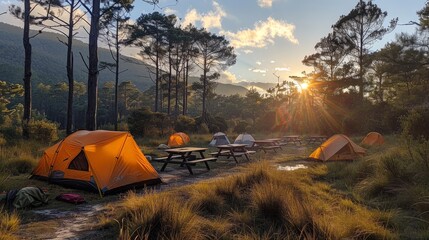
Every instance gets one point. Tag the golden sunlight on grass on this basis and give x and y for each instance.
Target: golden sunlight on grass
(9, 225)
(258, 203)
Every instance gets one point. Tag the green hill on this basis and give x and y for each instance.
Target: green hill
(49, 62)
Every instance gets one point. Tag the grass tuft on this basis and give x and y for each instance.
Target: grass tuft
(9, 225)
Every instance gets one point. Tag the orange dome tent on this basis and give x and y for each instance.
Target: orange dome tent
(96, 160)
(373, 139)
(178, 139)
(337, 147)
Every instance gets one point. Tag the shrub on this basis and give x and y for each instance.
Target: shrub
(18, 166)
(184, 124)
(241, 127)
(415, 123)
(43, 130)
(144, 122)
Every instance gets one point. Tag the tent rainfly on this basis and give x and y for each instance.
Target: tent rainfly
(337, 147)
(219, 138)
(178, 139)
(245, 138)
(373, 139)
(104, 161)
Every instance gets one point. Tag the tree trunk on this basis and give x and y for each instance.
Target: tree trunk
(91, 112)
(185, 89)
(27, 69)
(156, 80)
(204, 110)
(116, 73)
(69, 124)
(176, 105)
(169, 82)
(361, 82)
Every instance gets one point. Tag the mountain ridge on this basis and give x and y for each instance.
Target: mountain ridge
(49, 62)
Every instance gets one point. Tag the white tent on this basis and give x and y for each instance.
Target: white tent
(245, 138)
(219, 138)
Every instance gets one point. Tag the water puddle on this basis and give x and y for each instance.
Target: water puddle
(291, 168)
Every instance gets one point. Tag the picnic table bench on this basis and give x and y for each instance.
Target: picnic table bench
(292, 139)
(316, 139)
(183, 156)
(265, 145)
(233, 150)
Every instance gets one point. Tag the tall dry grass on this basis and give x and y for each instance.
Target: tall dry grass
(259, 203)
(9, 225)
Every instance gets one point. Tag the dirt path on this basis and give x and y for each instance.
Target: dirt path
(76, 223)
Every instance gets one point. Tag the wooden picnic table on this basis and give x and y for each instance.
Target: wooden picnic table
(292, 139)
(265, 145)
(233, 150)
(316, 139)
(183, 156)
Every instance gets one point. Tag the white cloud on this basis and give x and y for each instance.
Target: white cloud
(212, 19)
(262, 34)
(259, 63)
(247, 51)
(265, 3)
(258, 89)
(228, 77)
(282, 69)
(170, 11)
(257, 70)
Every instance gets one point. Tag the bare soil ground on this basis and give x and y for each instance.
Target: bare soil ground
(67, 221)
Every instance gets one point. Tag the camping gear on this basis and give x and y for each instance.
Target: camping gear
(245, 138)
(373, 139)
(337, 147)
(70, 198)
(25, 197)
(103, 161)
(219, 138)
(178, 139)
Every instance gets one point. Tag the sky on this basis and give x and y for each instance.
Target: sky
(270, 37)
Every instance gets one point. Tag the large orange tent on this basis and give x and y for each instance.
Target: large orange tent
(337, 147)
(178, 139)
(96, 160)
(373, 139)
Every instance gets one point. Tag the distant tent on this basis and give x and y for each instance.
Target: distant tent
(100, 160)
(219, 138)
(178, 139)
(245, 138)
(373, 139)
(337, 147)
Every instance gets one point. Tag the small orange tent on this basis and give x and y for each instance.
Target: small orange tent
(178, 139)
(337, 147)
(96, 160)
(372, 139)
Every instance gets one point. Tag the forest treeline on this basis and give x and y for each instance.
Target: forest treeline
(350, 90)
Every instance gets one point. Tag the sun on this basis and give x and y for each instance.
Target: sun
(304, 86)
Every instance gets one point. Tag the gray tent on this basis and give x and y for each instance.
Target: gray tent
(245, 138)
(219, 138)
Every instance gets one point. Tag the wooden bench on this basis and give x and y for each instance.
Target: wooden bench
(189, 163)
(274, 147)
(163, 159)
